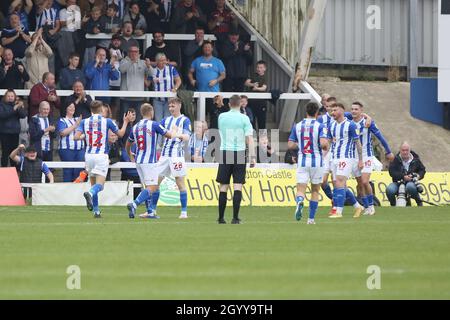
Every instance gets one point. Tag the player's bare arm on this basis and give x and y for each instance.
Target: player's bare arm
(126, 120)
(359, 150)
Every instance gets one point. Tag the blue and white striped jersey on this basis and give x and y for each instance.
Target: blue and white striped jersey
(145, 134)
(307, 134)
(166, 78)
(344, 135)
(175, 147)
(328, 120)
(198, 144)
(67, 142)
(96, 130)
(45, 139)
(366, 138)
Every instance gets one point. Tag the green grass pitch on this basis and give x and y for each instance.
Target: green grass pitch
(270, 256)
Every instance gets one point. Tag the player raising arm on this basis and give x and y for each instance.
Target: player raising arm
(94, 131)
(145, 135)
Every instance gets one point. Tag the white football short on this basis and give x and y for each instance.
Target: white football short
(97, 164)
(148, 173)
(343, 167)
(368, 163)
(327, 163)
(309, 174)
(175, 166)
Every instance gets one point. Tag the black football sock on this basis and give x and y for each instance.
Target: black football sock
(222, 204)
(237, 198)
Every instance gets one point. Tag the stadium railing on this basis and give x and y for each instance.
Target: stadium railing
(201, 96)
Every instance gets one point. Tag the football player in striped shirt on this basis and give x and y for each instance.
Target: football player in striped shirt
(346, 150)
(172, 160)
(95, 132)
(311, 137)
(363, 176)
(145, 135)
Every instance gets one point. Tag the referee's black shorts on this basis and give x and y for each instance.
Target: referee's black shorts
(231, 164)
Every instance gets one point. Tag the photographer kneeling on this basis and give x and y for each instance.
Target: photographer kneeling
(406, 169)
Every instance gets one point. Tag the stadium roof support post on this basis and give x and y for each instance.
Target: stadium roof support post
(307, 43)
(413, 65)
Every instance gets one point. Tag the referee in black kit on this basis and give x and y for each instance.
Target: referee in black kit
(236, 132)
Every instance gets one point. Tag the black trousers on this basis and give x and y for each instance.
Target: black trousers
(259, 109)
(8, 142)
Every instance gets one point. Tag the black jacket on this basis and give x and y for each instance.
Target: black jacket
(397, 171)
(9, 118)
(13, 78)
(83, 108)
(236, 62)
(36, 134)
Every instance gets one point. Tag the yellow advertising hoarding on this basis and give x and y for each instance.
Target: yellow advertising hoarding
(277, 187)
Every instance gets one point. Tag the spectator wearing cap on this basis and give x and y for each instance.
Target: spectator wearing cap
(159, 45)
(71, 73)
(43, 91)
(29, 166)
(12, 73)
(187, 17)
(38, 54)
(237, 56)
(136, 18)
(15, 37)
(42, 132)
(11, 111)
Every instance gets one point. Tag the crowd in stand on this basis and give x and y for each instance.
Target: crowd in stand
(47, 45)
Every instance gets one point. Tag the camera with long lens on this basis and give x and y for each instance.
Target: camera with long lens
(416, 181)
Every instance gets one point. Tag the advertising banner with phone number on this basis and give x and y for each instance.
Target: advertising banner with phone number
(277, 187)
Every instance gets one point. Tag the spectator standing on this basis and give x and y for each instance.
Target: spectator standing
(258, 83)
(221, 20)
(127, 39)
(29, 166)
(71, 73)
(43, 91)
(187, 17)
(42, 132)
(168, 7)
(160, 46)
(11, 111)
(137, 19)
(121, 7)
(12, 73)
(69, 149)
(47, 18)
(154, 13)
(92, 25)
(111, 24)
(218, 108)
(70, 20)
(23, 9)
(114, 85)
(133, 71)
(193, 49)
(80, 100)
(165, 78)
(237, 56)
(209, 71)
(99, 72)
(38, 54)
(15, 37)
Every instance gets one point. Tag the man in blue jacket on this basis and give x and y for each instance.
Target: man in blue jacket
(99, 72)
